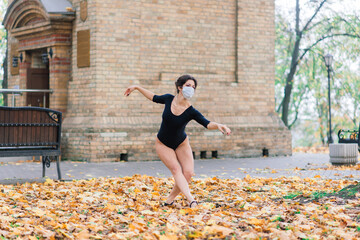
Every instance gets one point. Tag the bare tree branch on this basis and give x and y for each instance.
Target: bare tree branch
(325, 37)
(351, 26)
(316, 24)
(313, 16)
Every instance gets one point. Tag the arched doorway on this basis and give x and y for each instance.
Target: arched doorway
(40, 37)
(38, 78)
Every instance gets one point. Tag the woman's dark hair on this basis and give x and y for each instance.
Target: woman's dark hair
(182, 80)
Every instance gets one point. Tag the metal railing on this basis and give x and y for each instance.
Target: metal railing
(21, 91)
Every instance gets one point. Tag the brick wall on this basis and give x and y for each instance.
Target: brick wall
(152, 43)
(13, 80)
(82, 86)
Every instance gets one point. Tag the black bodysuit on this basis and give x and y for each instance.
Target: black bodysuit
(172, 130)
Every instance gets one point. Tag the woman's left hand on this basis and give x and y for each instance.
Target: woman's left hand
(224, 129)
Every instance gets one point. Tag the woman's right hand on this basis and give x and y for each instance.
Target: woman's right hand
(129, 90)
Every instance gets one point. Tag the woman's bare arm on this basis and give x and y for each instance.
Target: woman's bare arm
(221, 127)
(148, 94)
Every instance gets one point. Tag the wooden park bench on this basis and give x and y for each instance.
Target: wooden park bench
(31, 131)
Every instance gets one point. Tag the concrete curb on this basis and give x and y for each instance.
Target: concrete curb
(300, 165)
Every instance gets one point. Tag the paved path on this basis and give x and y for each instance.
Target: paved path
(13, 170)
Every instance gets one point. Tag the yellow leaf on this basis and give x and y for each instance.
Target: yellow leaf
(195, 234)
(95, 228)
(217, 229)
(281, 235)
(38, 212)
(149, 236)
(147, 212)
(305, 227)
(168, 237)
(157, 234)
(49, 181)
(296, 178)
(64, 233)
(122, 219)
(136, 226)
(257, 222)
(182, 212)
(332, 223)
(249, 206)
(131, 202)
(110, 207)
(83, 235)
(172, 228)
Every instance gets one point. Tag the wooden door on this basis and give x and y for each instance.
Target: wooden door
(37, 78)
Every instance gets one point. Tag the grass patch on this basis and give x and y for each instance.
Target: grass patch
(348, 192)
(292, 195)
(318, 195)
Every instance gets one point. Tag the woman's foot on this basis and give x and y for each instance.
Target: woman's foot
(193, 204)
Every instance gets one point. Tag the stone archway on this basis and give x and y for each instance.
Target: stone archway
(40, 25)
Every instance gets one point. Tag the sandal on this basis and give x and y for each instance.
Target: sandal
(193, 202)
(168, 204)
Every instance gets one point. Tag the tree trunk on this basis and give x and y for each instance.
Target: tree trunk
(293, 66)
(295, 59)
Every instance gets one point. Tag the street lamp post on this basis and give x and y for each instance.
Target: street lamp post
(328, 58)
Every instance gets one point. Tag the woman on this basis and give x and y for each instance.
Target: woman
(172, 145)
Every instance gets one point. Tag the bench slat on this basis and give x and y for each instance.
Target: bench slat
(31, 131)
(29, 152)
(29, 126)
(2, 130)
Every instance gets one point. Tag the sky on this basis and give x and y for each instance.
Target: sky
(346, 6)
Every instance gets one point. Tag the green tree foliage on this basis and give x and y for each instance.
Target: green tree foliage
(305, 34)
(3, 42)
(305, 76)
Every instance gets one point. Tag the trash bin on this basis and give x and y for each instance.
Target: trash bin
(343, 153)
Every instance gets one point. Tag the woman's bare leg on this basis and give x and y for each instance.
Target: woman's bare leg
(186, 160)
(169, 158)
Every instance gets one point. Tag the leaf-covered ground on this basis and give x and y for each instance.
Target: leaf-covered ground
(130, 208)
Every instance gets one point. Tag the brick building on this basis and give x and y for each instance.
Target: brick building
(88, 52)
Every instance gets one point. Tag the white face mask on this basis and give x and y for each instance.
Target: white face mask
(188, 92)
